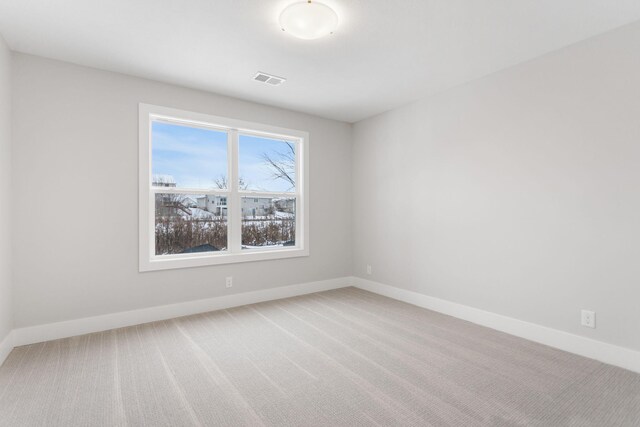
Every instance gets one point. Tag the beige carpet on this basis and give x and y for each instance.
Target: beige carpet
(339, 358)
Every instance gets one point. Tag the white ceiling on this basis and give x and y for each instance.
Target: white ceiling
(384, 53)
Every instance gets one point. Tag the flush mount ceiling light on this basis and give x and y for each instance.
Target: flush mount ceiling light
(308, 20)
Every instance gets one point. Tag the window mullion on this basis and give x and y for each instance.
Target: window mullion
(250, 194)
(235, 214)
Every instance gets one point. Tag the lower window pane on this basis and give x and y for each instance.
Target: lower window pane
(190, 223)
(268, 222)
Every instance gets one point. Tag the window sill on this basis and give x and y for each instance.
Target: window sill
(186, 261)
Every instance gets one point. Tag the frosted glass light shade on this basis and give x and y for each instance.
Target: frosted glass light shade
(308, 20)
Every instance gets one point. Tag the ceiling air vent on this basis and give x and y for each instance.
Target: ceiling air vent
(269, 79)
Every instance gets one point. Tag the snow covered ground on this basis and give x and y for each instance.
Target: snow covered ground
(197, 213)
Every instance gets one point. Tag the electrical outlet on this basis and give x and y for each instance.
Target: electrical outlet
(589, 318)
(369, 269)
(229, 282)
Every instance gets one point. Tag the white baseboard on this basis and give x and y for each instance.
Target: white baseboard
(604, 352)
(598, 350)
(6, 346)
(69, 328)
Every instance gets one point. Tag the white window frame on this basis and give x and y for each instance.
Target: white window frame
(149, 261)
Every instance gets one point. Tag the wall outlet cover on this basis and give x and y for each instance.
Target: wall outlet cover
(588, 318)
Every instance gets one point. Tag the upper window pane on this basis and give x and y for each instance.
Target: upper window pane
(188, 157)
(267, 164)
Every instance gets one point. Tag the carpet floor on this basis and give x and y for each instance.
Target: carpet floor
(345, 357)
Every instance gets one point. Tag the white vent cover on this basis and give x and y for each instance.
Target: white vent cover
(269, 79)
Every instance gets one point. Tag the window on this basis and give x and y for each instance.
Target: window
(216, 190)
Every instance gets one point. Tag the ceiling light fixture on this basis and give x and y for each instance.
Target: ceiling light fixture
(308, 20)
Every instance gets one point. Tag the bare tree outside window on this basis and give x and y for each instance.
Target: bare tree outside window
(222, 183)
(271, 221)
(283, 164)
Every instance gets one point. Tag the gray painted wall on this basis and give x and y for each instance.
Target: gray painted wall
(6, 303)
(517, 193)
(76, 196)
